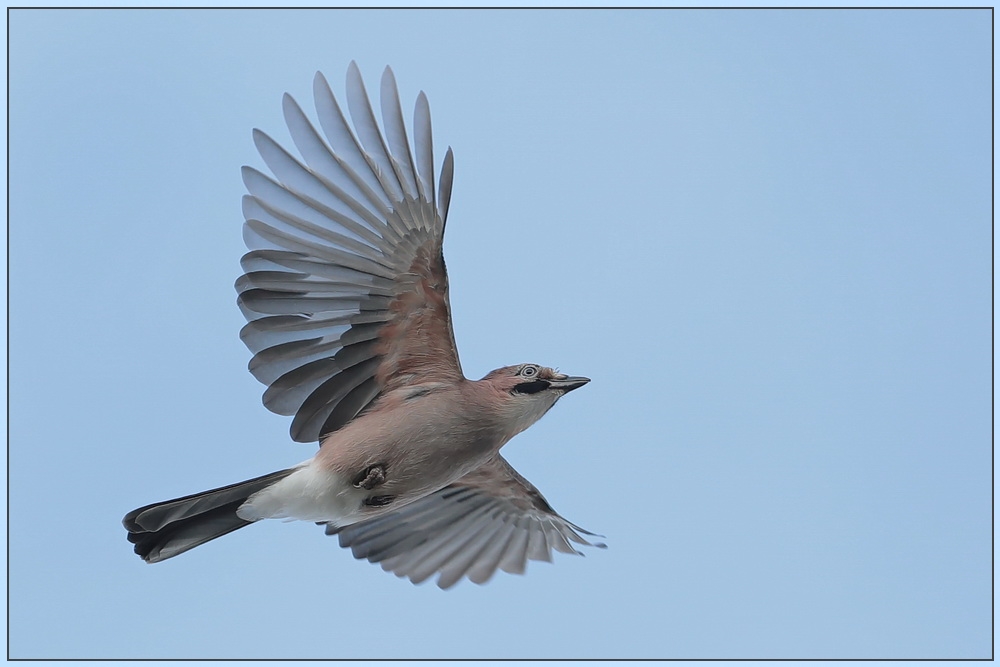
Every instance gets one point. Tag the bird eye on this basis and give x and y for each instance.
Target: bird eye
(529, 371)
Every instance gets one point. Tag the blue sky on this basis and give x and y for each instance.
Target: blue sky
(766, 236)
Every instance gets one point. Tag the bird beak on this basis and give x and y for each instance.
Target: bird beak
(568, 383)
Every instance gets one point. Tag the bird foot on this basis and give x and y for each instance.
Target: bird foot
(371, 477)
(378, 501)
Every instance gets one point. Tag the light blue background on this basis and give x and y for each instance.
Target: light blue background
(766, 236)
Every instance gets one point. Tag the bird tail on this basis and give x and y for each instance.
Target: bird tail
(163, 530)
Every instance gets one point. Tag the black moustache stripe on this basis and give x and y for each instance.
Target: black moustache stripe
(532, 387)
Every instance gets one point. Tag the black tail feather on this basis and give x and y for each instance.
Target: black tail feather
(163, 530)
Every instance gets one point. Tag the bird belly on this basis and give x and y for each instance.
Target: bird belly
(373, 466)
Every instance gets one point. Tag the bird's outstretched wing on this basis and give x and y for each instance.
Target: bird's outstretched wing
(490, 518)
(344, 288)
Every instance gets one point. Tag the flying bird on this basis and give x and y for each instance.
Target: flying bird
(346, 299)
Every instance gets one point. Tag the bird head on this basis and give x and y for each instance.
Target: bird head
(527, 391)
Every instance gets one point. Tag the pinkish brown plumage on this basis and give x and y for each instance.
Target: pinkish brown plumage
(417, 344)
(346, 298)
